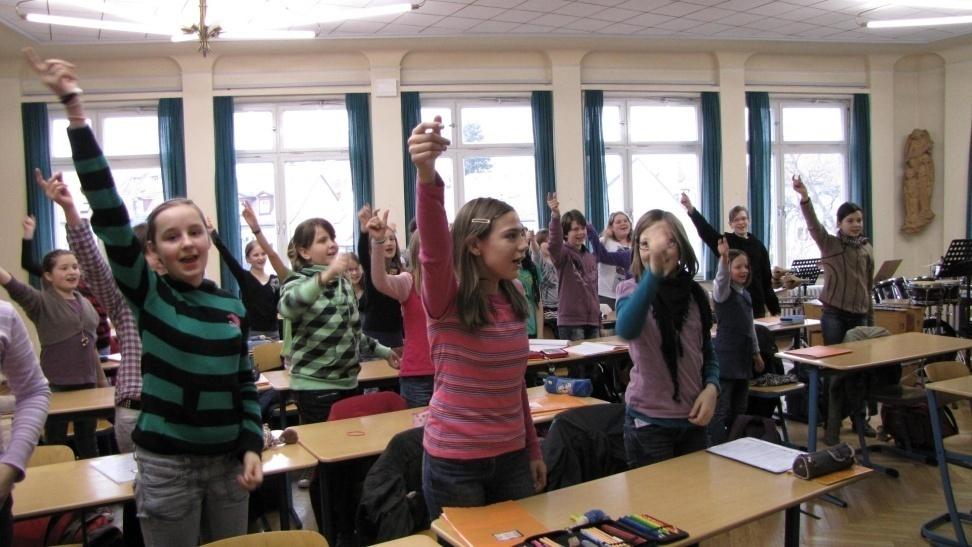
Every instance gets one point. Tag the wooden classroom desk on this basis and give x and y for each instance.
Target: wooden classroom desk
(866, 354)
(375, 370)
(338, 441)
(83, 401)
(701, 493)
(961, 387)
(66, 486)
(78, 484)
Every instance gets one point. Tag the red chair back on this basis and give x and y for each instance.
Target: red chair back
(366, 405)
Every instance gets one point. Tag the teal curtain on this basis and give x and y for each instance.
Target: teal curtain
(541, 103)
(411, 117)
(711, 180)
(595, 178)
(760, 159)
(359, 142)
(227, 197)
(172, 154)
(860, 158)
(37, 154)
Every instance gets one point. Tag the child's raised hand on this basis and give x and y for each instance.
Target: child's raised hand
(425, 145)
(377, 225)
(661, 243)
(686, 202)
(799, 186)
(724, 250)
(553, 203)
(56, 74)
(340, 264)
(54, 188)
(364, 215)
(29, 225)
(210, 227)
(249, 215)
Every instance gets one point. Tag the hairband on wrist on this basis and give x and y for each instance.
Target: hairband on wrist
(68, 97)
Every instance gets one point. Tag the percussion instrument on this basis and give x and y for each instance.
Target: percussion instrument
(932, 292)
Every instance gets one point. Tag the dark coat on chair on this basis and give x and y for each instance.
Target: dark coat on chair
(584, 444)
(392, 504)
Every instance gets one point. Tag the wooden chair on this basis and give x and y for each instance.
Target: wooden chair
(945, 370)
(50, 453)
(267, 356)
(288, 538)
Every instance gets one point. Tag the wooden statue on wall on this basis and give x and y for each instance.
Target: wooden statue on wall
(919, 182)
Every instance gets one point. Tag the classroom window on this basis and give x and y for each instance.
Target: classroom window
(292, 164)
(491, 153)
(129, 137)
(809, 138)
(653, 153)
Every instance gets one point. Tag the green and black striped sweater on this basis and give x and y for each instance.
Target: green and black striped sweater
(198, 395)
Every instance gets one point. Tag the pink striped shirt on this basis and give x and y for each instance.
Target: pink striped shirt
(479, 408)
(416, 360)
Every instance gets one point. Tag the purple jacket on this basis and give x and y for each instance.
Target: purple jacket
(577, 274)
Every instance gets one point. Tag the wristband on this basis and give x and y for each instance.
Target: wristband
(257, 231)
(805, 200)
(68, 97)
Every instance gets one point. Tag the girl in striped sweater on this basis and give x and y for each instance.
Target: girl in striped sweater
(198, 438)
(480, 444)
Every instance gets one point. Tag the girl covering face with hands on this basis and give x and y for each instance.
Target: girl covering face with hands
(665, 314)
(480, 444)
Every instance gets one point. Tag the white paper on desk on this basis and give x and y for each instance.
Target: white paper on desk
(540, 344)
(758, 453)
(120, 470)
(590, 348)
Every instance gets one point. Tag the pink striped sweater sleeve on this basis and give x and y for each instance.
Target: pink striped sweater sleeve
(396, 286)
(439, 287)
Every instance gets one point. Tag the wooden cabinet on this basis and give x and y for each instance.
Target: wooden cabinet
(896, 320)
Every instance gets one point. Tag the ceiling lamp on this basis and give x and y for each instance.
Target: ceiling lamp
(926, 21)
(205, 31)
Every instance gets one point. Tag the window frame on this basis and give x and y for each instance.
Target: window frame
(627, 150)
(97, 114)
(459, 151)
(779, 149)
(279, 156)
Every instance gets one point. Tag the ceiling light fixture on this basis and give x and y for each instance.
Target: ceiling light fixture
(933, 4)
(921, 22)
(206, 32)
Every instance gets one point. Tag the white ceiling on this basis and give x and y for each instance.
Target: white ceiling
(788, 20)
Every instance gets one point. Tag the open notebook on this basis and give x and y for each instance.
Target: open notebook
(758, 453)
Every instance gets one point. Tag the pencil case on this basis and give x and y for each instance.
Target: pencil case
(823, 462)
(633, 530)
(581, 387)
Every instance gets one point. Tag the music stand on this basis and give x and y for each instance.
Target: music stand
(957, 262)
(807, 269)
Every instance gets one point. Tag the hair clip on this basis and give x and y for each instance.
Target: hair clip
(480, 221)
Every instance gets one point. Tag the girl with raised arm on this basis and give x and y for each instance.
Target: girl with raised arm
(480, 444)
(198, 438)
(415, 375)
(761, 273)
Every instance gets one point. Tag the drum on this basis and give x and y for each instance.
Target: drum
(926, 292)
(890, 289)
(950, 290)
